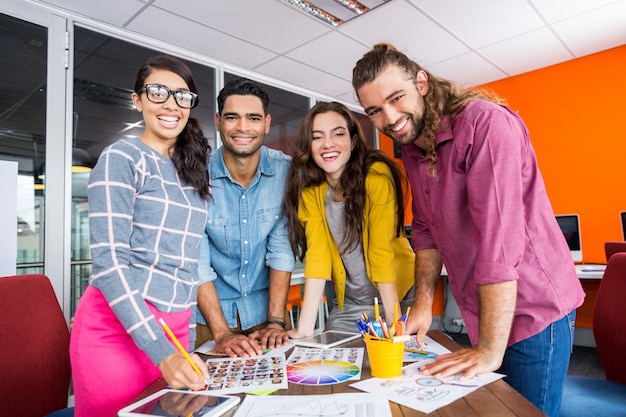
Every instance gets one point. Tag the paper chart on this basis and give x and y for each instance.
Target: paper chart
(311, 366)
(352, 404)
(227, 375)
(432, 348)
(423, 392)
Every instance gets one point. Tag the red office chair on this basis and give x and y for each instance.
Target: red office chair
(584, 396)
(609, 323)
(614, 246)
(34, 348)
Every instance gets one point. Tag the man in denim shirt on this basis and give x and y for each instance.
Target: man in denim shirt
(245, 265)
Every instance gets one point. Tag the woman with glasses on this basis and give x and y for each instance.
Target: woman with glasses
(147, 213)
(345, 207)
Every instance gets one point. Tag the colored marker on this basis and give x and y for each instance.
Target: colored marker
(406, 315)
(421, 352)
(376, 311)
(395, 312)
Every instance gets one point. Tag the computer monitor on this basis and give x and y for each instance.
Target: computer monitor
(622, 218)
(570, 226)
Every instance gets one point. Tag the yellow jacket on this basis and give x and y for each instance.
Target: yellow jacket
(387, 258)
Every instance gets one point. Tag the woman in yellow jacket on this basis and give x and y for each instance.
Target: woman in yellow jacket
(345, 208)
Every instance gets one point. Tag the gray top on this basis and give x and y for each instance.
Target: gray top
(359, 288)
(145, 228)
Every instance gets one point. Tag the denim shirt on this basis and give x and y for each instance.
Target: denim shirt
(246, 235)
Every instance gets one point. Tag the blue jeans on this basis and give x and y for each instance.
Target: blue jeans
(536, 367)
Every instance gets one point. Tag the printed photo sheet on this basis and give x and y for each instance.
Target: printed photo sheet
(228, 375)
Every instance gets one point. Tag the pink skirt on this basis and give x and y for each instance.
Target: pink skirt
(108, 369)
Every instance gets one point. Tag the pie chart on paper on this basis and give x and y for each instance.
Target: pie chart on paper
(321, 372)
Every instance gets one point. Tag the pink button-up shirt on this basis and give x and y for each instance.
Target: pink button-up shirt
(488, 214)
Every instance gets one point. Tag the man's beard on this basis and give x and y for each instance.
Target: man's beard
(416, 127)
(242, 152)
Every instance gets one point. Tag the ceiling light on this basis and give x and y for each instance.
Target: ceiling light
(81, 161)
(337, 12)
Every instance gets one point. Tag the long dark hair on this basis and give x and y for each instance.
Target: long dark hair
(191, 149)
(443, 97)
(304, 172)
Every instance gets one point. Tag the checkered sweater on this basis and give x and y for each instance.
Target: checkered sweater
(145, 228)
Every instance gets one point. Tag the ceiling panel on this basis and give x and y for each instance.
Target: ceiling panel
(523, 53)
(468, 69)
(200, 38)
(401, 24)
(274, 25)
(304, 76)
(471, 42)
(600, 29)
(116, 12)
(556, 10)
(333, 53)
(482, 22)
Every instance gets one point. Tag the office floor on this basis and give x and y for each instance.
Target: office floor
(584, 361)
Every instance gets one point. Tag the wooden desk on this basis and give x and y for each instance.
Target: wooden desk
(496, 399)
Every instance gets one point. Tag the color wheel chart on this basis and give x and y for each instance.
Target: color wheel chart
(309, 366)
(321, 372)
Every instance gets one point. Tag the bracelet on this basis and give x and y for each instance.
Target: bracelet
(280, 323)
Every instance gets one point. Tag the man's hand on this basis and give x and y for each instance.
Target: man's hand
(418, 324)
(271, 337)
(238, 345)
(469, 362)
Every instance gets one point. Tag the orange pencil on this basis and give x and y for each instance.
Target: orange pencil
(179, 346)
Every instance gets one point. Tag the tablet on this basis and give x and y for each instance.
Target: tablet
(170, 402)
(327, 339)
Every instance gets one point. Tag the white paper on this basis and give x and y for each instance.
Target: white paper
(352, 404)
(430, 346)
(421, 392)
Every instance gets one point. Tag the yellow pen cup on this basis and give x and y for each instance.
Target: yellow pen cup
(385, 357)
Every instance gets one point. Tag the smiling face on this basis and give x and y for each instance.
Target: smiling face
(394, 103)
(243, 125)
(163, 121)
(331, 144)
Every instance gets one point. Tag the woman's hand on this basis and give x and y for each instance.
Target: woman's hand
(297, 334)
(179, 374)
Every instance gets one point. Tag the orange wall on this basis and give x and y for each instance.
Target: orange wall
(576, 115)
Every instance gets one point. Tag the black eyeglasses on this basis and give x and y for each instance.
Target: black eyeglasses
(158, 93)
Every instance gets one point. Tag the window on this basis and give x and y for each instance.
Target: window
(23, 130)
(104, 75)
(287, 110)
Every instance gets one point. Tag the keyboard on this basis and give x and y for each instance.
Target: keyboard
(590, 267)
